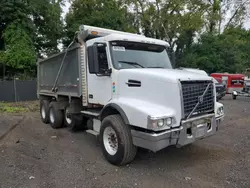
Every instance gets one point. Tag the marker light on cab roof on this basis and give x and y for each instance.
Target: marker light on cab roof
(94, 32)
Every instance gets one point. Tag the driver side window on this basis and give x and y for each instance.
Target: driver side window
(102, 58)
(97, 60)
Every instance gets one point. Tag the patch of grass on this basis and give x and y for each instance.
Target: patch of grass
(18, 107)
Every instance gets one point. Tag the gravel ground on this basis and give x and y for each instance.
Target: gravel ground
(35, 155)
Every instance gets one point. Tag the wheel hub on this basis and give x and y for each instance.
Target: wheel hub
(67, 117)
(110, 140)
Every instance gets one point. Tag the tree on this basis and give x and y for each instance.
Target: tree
(28, 29)
(228, 52)
(15, 26)
(221, 14)
(109, 14)
(48, 25)
(176, 22)
(20, 51)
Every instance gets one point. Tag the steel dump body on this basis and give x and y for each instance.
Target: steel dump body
(69, 77)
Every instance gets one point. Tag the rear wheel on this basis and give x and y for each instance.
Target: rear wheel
(55, 116)
(116, 141)
(44, 111)
(71, 121)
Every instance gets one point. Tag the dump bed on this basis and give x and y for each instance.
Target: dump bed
(69, 78)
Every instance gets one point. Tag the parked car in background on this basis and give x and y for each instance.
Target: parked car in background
(245, 92)
(220, 89)
(233, 82)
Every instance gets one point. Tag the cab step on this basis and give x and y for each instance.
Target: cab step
(93, 113)
(92, 132)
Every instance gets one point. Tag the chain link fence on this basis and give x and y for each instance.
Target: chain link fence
(18, 90)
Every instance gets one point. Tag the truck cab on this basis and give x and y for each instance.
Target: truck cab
(130, 95)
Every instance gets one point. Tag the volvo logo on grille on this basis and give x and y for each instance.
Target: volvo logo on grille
(200, 99)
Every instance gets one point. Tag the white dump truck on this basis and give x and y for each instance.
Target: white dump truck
(122, 88)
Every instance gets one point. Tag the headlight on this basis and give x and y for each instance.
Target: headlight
(169, 121)
(220, 111)
(160, 122)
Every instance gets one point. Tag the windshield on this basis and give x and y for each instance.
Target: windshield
(130, 55)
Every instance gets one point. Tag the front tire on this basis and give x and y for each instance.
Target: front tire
(55, 116)
(116, 141)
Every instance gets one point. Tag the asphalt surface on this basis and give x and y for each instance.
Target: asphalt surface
(32, 155)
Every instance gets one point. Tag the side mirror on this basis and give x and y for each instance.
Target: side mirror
(94, 61)
(171, 55)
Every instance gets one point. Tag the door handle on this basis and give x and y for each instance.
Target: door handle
(133, 83)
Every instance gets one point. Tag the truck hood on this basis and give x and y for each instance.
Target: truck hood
(154, 91)
(170, 75)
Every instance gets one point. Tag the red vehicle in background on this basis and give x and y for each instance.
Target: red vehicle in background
(233, 82)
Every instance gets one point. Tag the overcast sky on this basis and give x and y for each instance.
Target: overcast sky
(247, 24)
(65, 8)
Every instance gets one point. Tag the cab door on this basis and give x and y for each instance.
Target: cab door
(99, 74)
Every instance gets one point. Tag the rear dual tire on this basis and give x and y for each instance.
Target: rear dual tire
(56, 116)
(116, 141)
(51, 114)
(71, 121)
(44, 111)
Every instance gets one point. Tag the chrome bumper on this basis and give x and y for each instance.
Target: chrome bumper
(219, 119)
(181, 136)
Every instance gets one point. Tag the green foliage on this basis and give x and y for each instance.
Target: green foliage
(28, 30)
(10, 108)
(228, 52)
(179, 23)
(19, 107)
(20, 51)
(48, 25)
(107, 14)
(176, 22)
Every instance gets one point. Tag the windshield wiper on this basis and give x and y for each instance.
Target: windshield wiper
(131, 63)
(157, 67)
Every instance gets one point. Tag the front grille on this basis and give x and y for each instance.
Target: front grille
(191, 92)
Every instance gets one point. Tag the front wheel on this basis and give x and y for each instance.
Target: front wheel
(116, 141)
